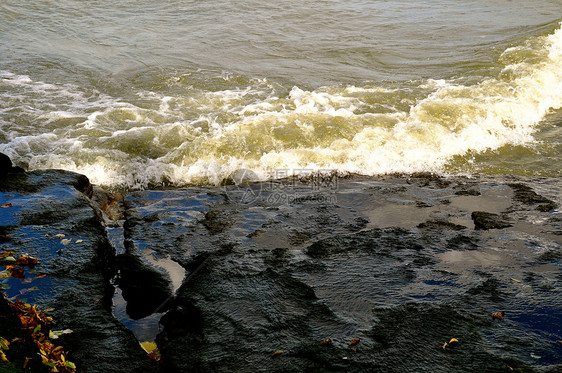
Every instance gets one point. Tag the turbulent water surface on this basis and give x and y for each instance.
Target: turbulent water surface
(137, 94)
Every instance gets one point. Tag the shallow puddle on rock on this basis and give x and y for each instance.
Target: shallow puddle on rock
(175, 271)
(494, 199)
(393, 215)
(144, 329)
(462, 259)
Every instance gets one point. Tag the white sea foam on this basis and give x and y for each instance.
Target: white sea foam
(203, 135)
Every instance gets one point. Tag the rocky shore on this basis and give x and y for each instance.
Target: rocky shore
(400, 273)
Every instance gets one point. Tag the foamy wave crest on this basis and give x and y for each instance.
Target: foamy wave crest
(193, 132)
(368, 131)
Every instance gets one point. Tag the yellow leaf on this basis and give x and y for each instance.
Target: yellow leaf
(453, 340)
(4, 343)
(277, 353)
(3, 356)
(70, 365)
(148, 346)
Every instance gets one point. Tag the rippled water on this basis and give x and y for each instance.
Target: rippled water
(137, 94)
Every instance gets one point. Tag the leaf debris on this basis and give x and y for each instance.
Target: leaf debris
(277, 353)
(498, 315)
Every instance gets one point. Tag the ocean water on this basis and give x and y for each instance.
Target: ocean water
(143, 94)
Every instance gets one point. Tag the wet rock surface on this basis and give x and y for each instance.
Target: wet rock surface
(388, 274)
(51, 218)
(275, 269)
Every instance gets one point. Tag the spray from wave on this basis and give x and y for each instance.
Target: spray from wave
(192, 134)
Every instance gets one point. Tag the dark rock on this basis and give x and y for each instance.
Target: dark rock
(83, 185)
(468, 192)
(462, 242)
(550, 256)
(490, 287)
(488, 220)
(547, 207)
(184, 320)
(215, 221)
(266, 277)
(440, 224)
(78, 268)
(528, 196)
(419, 331)
(5, 164)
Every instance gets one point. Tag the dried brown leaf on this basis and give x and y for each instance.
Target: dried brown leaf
(498, 315)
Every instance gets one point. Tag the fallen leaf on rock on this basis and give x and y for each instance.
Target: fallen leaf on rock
(17, 272)
(78, 241)
(5, 205)
(10, 259)
(3, 356)
(4, 254)
(327, 341)
(535, 356)
(70, 365)
(148, 346)
(25, 362)
(498, 315)
(27, 290)
(354, 348)
(354, 342)
(66, 241)
(54, 334)
(277, 353)
(32, 319)
(453, 340)
(26, 260)
(5, 274)
(59, 236)
(4, 344)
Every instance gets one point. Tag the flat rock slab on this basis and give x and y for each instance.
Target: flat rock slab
(356, 274)
(49, 216)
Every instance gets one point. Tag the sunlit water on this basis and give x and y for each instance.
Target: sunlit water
(138, 94)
